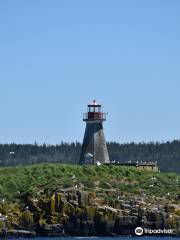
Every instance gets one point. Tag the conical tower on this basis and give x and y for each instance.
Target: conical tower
(94, 147)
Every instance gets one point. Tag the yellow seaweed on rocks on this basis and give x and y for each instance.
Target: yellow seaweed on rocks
(68, 208)
(52, 203)
(90, 211)
(1, 225)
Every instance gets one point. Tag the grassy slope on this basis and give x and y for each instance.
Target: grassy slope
(43, 179)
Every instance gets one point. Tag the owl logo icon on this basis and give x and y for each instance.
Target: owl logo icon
(139, 231)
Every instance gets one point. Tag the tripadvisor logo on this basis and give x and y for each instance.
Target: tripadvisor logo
(139, 231)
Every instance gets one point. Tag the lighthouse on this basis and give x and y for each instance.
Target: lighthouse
(94, 149)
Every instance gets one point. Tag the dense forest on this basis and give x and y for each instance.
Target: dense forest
(167, 154)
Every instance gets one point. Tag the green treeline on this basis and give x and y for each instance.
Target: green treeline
(166, 154)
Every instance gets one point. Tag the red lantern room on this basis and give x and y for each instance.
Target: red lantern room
(94, 112)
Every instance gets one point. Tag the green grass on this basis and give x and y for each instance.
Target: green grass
(16, 183)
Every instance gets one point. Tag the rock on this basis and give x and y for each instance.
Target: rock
(109, 213)
(54, 230)
(83, 198)
(90, 212)
(67, 208)
(26, 220)
(32, 205)
(16, 233)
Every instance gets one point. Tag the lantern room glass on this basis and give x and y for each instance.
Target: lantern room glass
(94, 109)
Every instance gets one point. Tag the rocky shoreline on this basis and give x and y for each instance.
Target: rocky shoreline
(77, 212)
(65, 200)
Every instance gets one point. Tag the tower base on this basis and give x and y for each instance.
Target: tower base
(94, 148)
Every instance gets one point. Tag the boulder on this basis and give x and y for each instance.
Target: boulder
(26, 220)
(83, 198)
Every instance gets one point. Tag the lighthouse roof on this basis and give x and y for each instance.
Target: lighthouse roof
(94, 103)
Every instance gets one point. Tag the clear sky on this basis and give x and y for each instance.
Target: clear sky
(58, 55)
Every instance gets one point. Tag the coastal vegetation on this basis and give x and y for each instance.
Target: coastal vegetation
(16, 183)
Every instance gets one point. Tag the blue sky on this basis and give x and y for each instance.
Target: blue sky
(56, 56)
